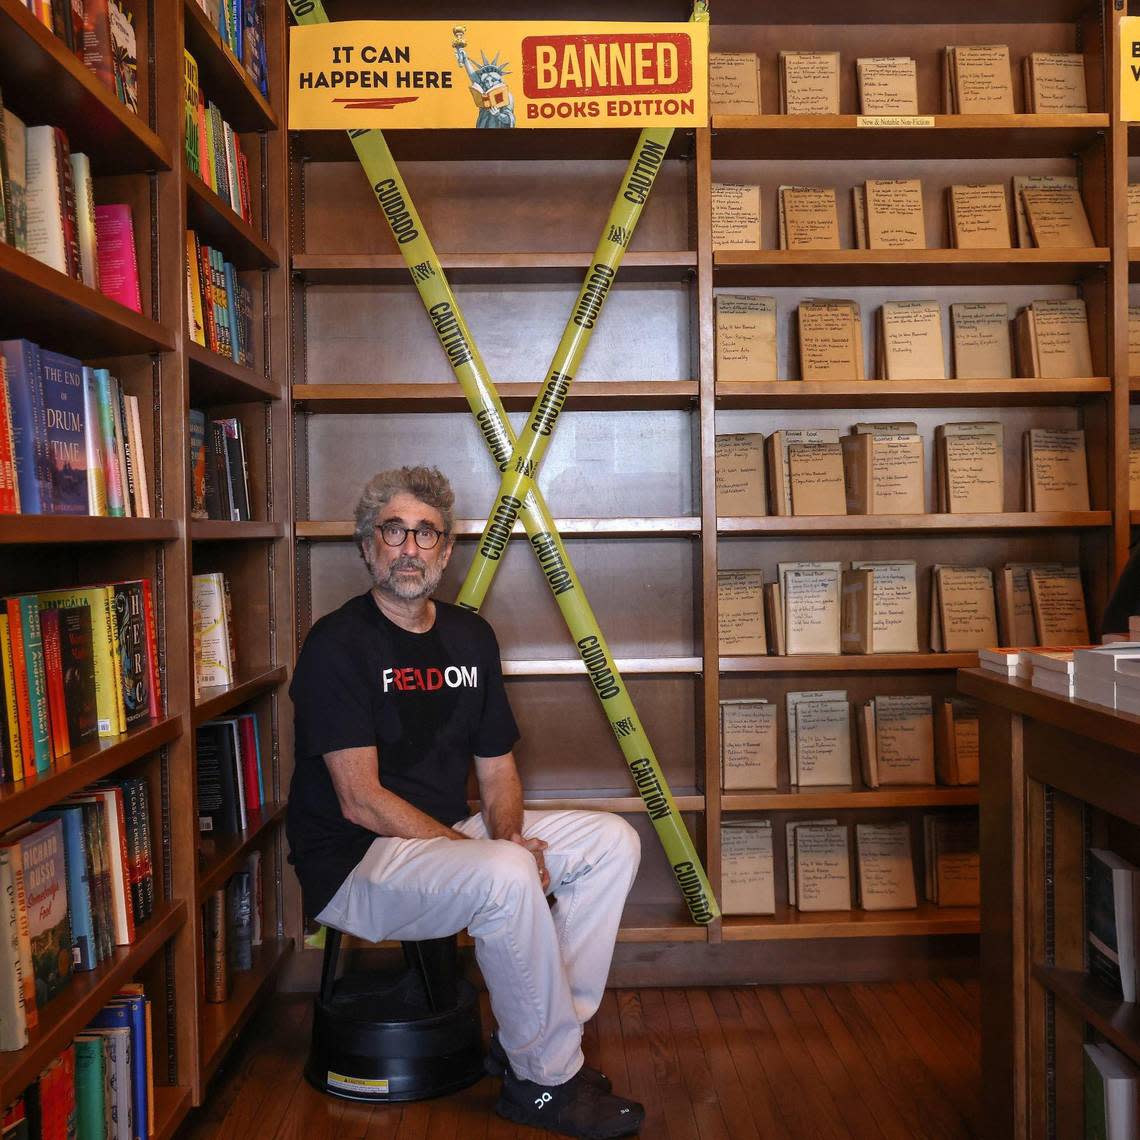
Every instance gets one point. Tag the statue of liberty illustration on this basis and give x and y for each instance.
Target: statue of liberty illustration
(489, 89)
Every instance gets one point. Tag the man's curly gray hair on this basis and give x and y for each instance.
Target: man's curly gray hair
(428, 484)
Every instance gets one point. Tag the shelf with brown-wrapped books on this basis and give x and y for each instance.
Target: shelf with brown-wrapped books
(839, 798)
(837, 12)
(82, 766)
(487, 268)
(50, 529)
(923, 136)
(220, 856)
(1018, 392)
(216, 223)
(86, 993)
(850, 663)
(223, 79)
(1116, 1020)
(221, 1022)
(906, 524)
(41, 303)
(217, 700)
(790, 924)
(649, 527)
(563, 667)
(614, 799)
(659, 922)
(46, 82)
(215, 379)
(447, 396)
(223, 530)
(780, 267)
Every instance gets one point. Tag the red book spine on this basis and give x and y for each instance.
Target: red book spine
(152, 651)
(206, 166)
(243, 185)
(20, 676)
(212, 340)
(70, 218)
(9, 504)
(53, 667)
(117, 798)
(249, 764)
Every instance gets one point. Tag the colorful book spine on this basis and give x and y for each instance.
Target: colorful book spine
(105, 390)
(85, 218)
(66, 426)
(13, 1021)
(96, 448)
(118, 262)
(29, 425)
(49, 923)
(78, 883)
(46, 237)
(98, 54)
(23, 613)
(155, 679)
(190, 111)
(57, 701)
(231, 310)
(68, 215)
(9, 484)
(11, 708)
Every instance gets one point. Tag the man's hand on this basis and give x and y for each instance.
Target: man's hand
(536, 847)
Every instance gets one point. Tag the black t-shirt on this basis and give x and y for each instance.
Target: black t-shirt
(428, 702)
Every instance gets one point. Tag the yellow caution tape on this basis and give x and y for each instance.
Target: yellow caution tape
(467, 365)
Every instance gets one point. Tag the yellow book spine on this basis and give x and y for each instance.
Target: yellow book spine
(14, 746)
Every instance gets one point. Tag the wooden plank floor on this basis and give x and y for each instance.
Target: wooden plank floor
(886, 1060)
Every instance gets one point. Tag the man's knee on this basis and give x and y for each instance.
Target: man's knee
(620, 838)
(507, 868)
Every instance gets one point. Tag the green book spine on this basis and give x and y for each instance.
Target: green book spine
(37, 680)
(90, 1088)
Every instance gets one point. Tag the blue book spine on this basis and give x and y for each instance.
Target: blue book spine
(66, 425)
(37, 680)
(78, 885)
(120, 1014)
(232, 310)
(29, 432)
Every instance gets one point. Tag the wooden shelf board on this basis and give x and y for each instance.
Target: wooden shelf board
(221, 1022)
(171, 1105)
(659, 922)
(219, 700)
(895, 12)
(951, 136)
(45, 82)
(585, 395)
(626, 665)
(906, 524)
(220, 857)
(487, 268)
(906, 266)
(570, 144)
(86, 994)
(218, 225)
(26, 530)
(58, 312)
(789, 924)
(216, 380)
(1116, 1020)
(222, 78)
(908, 393)
(218, 530)
(850, 663)
(687, 525)
(618, 800)
(835, 799)
(20, 800)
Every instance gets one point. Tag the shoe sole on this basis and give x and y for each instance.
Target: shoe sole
(521, 1115)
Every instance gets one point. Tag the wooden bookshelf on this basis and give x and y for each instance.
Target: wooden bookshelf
(216, 223)
(567, 528)
(221, 856)
(789, 924)
(837, 799)
(894, 524)
(216, 380)
(215, 701)
(21, 530)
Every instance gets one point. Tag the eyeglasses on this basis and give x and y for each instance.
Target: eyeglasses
(394, 534)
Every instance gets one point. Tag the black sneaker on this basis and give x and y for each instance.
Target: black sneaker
(576, 1108)
(496, 1064)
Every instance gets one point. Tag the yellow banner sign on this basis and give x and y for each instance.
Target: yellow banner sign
(1130, 69)
(396, 75)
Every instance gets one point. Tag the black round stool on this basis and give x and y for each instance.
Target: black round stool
(411, 1036)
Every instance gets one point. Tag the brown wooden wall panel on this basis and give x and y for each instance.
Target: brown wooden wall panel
(641, 592)
(598, 465)
(487, 207)
(371, 334)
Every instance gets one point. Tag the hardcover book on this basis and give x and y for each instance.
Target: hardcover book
(45, 885)
(118, 263)
(66, 424)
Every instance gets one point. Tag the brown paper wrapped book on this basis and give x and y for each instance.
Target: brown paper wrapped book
(740, 484)
(734, 83)
(745, 337)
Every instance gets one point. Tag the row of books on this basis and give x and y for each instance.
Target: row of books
(1052, 339)
(221, 306)
(241, 26)
(1107, 674)
(880, 468)
(219, 478)
(101, 1086)
(213, 148)
(48, 210)
(102, 34)
(215, 649)
(977, 79)
(71, 439)
(899, 741)
(232, 922)
(230, 782)
(1049, 213)
(818, 859)
(76, 881)
(822, 607)
(76, 664)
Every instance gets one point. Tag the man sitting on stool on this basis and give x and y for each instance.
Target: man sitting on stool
(394, 695)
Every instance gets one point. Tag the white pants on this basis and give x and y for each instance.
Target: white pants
(545, 967)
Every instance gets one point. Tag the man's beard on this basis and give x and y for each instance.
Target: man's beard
(405, 588)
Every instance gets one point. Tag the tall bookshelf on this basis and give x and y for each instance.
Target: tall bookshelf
(514, 216)
(139, 159)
